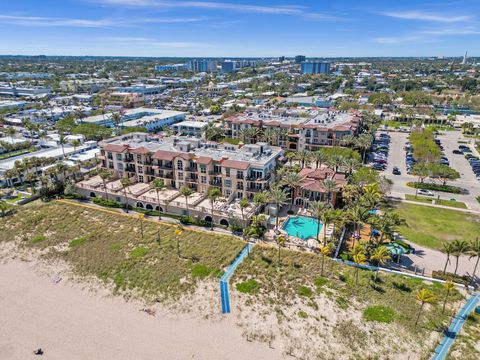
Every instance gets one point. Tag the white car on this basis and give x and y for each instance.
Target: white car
(425, 192)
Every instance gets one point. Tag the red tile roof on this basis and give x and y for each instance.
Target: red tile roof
(164, 155)
(140, 151)
(116, 147)
(239, 165)
(204, 160)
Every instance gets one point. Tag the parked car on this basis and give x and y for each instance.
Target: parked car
(425, 192)
(396, 171)
(457, 152)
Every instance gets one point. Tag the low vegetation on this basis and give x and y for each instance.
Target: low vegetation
(429, 200)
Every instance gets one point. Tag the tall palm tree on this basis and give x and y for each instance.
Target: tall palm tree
(213, 194)
(350, 165)
(125, 182)
(449, 286)
(380, 256)
(320, 157)
(104, 175)
(281, 241)
(330, 186)
(243, 204)
(359, 258)
(460, 247)
(62, 140)
(425, 296)
(358, 215)
(117, 119)
(388, 224)
(278, 197)
(448, 249)
(11, 132)
(317, 209)
(290, 155)
(75, 143)
(292, 180)
(304, 157)
(325, 251)
(474, 252)
(335, 161)
(62, 168)
(363, 142)
(261, 198)
(158, 185)
(244, 135)
(186, 192)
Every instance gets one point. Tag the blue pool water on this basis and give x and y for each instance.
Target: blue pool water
(302, 227)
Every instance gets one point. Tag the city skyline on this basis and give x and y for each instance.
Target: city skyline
(160, 28)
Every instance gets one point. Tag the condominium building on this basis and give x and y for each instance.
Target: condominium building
(315, 67)
(302, 129)
(238, 171)
(299, 59)
(202, 65)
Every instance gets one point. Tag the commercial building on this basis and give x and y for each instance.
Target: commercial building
(299, 59)
(202, 65)
(190, 128)
(151, 119)
(238, 171)
(8, 90)
(300, 129)
(126, 99)
(145, 90)
(171, 67)
(229, 66)
(315, 67)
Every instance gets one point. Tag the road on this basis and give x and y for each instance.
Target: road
(449, 140)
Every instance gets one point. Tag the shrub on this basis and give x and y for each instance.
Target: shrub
(189, 220)
(379, 313)
(38, 239)
(302, 314)
(248, 287)
(200, 271)
(77, 241)
(107, 202)
(139, 252)
(436, 187)
(464, 280)
(319, 282)
(478, 198)
(304, 291)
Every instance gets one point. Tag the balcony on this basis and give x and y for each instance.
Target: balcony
(215, 172)
(191, 180)
(254, 190)
(216, 182)
(165, 166)
(191, 169)
(130, 169)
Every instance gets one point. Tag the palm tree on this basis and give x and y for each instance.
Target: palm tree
(158, 185)
(125, 182)
(11, 132)
(213, 194)
(330, 186)
(117, 119)
(359, 258)
(186, 192)
(304, 157)
(325, 251)
(104, 175)
(388, 223)
(320, 157)
(281, 240)
(358, 215)
(425, 296)
(278, 197)
(62, 168)
(449, 287)
(178, 233)
(243, 204)
(380, 256)
(4, 207)
(244, 134)
(351, 164)
(363, 142)
(460, 247)
(290, 155)
(62, 140)
(448, 248)
(351, 193)
(317, 209)
(292, 180)
(75, 143)
(335, 161)
(475, 252)
(348, 140)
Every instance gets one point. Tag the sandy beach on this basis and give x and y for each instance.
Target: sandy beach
(69, 322)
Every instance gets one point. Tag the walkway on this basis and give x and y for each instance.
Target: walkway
(392, 198)
(442, 349)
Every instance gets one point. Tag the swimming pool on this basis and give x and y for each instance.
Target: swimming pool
(302, 227)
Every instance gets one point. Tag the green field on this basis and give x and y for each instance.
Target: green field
(423, 199)
(110, 246)
(431, 227)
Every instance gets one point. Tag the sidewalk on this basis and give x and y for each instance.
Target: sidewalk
(393, 198)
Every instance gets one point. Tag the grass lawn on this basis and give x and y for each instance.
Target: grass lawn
(389, 300)
(15, 199)
(431, 227)
(110, 246)
(424, 199)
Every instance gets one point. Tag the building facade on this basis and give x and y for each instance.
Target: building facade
(315, 67)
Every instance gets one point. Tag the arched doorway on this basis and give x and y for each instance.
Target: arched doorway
(149, 207)
(224, 223)
(158, 208)
(139, 205)
(92, 194)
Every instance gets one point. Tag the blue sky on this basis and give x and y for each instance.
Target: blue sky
(240, 27)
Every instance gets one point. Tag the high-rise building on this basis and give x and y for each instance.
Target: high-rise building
(202, 65)
(281, 58)
(465, 58)
(315, 67)
(229, 66)
(299, 59)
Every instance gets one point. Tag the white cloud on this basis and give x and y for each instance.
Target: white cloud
(37, 21)
(425, 16)
(396, 39)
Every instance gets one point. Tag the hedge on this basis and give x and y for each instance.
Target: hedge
(464, 280)
(107, 202)
(436, 187)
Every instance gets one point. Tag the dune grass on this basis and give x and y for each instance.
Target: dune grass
(467, 343)
(431, 227)
(110, 246)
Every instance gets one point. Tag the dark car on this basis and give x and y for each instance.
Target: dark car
(396, 171)
(457, 152)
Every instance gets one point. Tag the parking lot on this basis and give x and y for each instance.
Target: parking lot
(449, 141)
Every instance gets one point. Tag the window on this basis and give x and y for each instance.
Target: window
(180, 165)
(203, 169)
(140, 170)
(139, 159)
(228, 183)
(110, 156)
(110, 165)
(240, 175)
(227, 172)
(180, 176)
(228, 193)
(204, 179)
(120, 166)
(140, 178)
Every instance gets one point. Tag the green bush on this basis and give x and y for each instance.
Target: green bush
(302, 314)
(106, 202)
(248, 287)
(139, 252)
(304, 291)
(436, 187)
(464, 280)
(77, 241)
(200, 271)
(379, 313)
(319, 282)
(38, 239)
(189, 220)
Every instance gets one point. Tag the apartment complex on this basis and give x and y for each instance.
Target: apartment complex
(238, 171)
(315, 67)
(303, 129)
